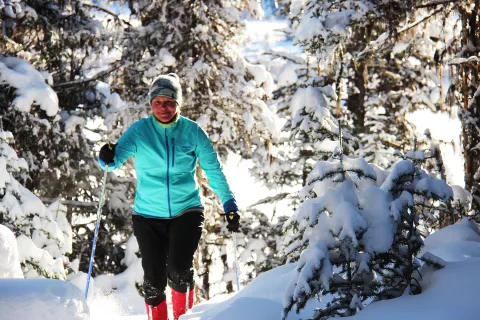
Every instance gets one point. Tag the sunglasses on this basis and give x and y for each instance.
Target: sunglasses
(168, 104)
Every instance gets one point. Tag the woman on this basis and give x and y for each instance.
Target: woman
(168, 213)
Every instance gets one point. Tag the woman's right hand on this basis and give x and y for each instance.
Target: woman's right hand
(107, 153)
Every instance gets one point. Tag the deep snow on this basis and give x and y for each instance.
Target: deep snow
(449, 293)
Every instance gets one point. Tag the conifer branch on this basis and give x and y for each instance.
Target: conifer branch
(275, 198)
(113, 14)
(99, 75)
(416, 23)
(434, 3)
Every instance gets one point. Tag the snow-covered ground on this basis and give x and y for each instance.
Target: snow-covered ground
(449, 293)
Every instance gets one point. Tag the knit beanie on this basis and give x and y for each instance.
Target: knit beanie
(167, 86)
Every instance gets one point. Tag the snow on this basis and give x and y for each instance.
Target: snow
(449, 293)
(29, 251)
(41, 299)
(379, 235)
(453, 294)
(29, 84)
(72, 123)
(10, 263)
(403, 167)
(459, 232)
(260, 300)
(446, 128)
(35, 299)
(262, 77)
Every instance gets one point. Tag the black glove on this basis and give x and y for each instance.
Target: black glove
(107, 153)
(233, 221)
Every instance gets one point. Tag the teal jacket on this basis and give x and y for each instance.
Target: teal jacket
(165, 162)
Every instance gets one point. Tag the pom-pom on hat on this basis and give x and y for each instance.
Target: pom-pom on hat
(167, 85)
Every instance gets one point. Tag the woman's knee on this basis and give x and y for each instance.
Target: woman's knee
(181, 281)
(153, 295)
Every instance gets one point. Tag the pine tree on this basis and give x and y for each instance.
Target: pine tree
(61, 163)
(43, 234)
(358, 242)
(260, 244)
(466, 90)
(384, 59)
(417, 200)
(335, 237)
(224, 93)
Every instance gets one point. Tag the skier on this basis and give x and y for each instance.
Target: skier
(168, 214)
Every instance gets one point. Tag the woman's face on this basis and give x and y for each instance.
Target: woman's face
(164, 108)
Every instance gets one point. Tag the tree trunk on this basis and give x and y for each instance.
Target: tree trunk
(356, 98)
(471, 106)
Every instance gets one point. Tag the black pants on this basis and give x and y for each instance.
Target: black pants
(167, 247)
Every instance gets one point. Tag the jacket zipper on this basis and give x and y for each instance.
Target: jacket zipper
(173, 152)
(168, 178)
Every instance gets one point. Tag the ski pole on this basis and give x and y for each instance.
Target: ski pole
(236, 261)
(97, 224)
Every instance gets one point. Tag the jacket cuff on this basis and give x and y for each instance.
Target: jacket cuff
(103, 165)
(230, 205)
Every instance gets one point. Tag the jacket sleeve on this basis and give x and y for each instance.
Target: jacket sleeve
(212, 167)
(126, 147)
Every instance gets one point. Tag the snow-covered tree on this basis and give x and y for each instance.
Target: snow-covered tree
(260, 244)
(384, 59)
(44, 236)
(466, 90)
(418, 200)
(61, 163)
(335, 236)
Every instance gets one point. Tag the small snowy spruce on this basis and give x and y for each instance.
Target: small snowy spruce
(335, 235)
(44, 235)
(417, 199)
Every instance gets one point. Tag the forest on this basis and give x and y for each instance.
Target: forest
(327, 126)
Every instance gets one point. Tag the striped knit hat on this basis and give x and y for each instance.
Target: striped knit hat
(168, 86)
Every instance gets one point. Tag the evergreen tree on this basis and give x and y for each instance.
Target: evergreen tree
(223, 93)
(43, 234)
(61, 163)
(417, 201)
(335, 237)
(358, 242)
(261, 244)
(384, 59)
(466, 90)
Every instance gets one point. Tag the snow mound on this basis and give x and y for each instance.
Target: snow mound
(452, 294)
(41, 299)
(261, 299)
(461, 231)
(9, 263)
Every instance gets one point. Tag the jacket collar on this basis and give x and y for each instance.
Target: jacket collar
(161, 129)
(169, 124)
